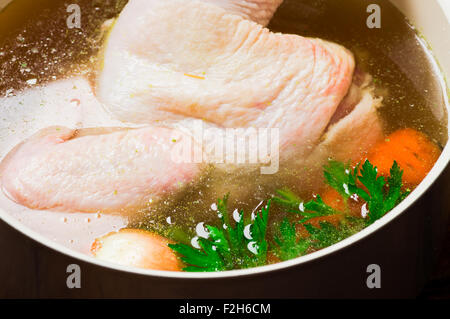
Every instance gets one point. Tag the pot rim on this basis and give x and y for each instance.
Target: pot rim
(400, 209)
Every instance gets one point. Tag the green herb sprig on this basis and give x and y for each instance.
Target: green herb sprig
(380, 195)
(228, 247)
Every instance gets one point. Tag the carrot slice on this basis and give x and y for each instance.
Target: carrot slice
(332, 198)
(414, 152)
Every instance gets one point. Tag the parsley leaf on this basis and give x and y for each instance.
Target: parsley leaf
(312, 209)
(288, 199)
(395, 194)
(338, 175)
(226, 247)
(258, 232)
(318, 208)
(380, 195)
(206, 259)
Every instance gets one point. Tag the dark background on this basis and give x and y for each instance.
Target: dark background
(439, 285)
(30, 270)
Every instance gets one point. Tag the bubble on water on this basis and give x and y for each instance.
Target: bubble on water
(201, 230)
(194, 242)
(169, 220)
(214, 206)
(247, 232)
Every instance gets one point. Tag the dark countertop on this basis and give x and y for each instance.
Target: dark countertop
(439, 285)
(30, 270)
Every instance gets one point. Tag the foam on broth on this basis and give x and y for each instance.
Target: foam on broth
(47, 72)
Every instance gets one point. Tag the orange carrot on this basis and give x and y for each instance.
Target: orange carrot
(332, 219)
(414, 152)
(332, 198)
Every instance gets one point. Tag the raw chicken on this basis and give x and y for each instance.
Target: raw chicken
(259, 11)
(92, 170)
(172, 63)
(171, 60)
(355, 127)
